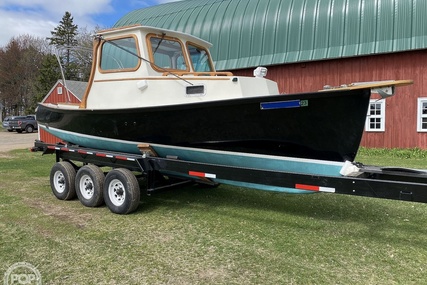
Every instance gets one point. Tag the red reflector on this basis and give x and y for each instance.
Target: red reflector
(195, 173)
(307, 187)
(202, 174)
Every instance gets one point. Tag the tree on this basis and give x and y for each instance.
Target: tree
(20, 62)
(83, 53)
(29, 68)
(10, 75)
(49, 73)
(64, 39)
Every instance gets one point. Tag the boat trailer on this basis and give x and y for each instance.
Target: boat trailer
(121, 190)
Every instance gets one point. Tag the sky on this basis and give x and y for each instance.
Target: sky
(39, 17)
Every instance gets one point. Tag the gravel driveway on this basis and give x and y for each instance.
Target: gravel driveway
(13, 140)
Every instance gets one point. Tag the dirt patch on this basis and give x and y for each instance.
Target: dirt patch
(79, 220)
(13, 140)
(5, 155)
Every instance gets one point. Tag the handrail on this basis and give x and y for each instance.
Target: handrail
(182, 73)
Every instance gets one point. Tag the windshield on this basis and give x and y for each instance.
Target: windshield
(199, 59)
(167, 53)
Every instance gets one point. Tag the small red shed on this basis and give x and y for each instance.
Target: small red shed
(63, 91)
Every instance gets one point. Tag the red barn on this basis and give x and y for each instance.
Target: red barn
(71, 92)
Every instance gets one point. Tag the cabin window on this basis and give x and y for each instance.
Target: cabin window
(167, 53)
(119, 54)
(375, 122)
(199, 59)
(422, 115)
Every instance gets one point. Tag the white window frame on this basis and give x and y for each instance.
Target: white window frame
(420, 114)
(381, 116)
(59, 90)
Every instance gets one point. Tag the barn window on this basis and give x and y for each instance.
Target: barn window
(375, 122)
(422, 115)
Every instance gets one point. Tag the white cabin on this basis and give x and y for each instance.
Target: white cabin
(141, 66)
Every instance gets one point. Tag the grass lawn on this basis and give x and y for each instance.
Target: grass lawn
(226, 235)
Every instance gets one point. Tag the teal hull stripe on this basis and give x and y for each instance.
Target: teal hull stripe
(275, 163)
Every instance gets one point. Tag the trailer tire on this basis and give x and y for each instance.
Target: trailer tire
(121, 191)
(90, 185)
(62, 178)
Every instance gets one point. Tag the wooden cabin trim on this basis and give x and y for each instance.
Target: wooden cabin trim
(95, 50)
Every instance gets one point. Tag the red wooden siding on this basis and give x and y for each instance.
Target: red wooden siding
(401, 109)
(54, 98)
(48, 138)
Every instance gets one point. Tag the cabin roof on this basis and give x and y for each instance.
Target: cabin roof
(157, 30)
(252, 33)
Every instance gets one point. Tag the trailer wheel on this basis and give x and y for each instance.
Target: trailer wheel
(89, 185)
(62, 177)
(121, 191)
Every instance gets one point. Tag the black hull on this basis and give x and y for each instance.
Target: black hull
(321, 125)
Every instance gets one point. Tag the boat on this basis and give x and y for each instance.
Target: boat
(159, 87)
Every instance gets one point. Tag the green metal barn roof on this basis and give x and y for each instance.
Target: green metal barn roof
(248, 33)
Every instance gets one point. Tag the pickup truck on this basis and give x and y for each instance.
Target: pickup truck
(23, 123)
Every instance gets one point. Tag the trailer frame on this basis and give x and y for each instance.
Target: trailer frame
(163, 173)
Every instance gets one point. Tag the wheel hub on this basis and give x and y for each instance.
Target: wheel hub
(59, 182)
(87, 187)
(117, 192)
